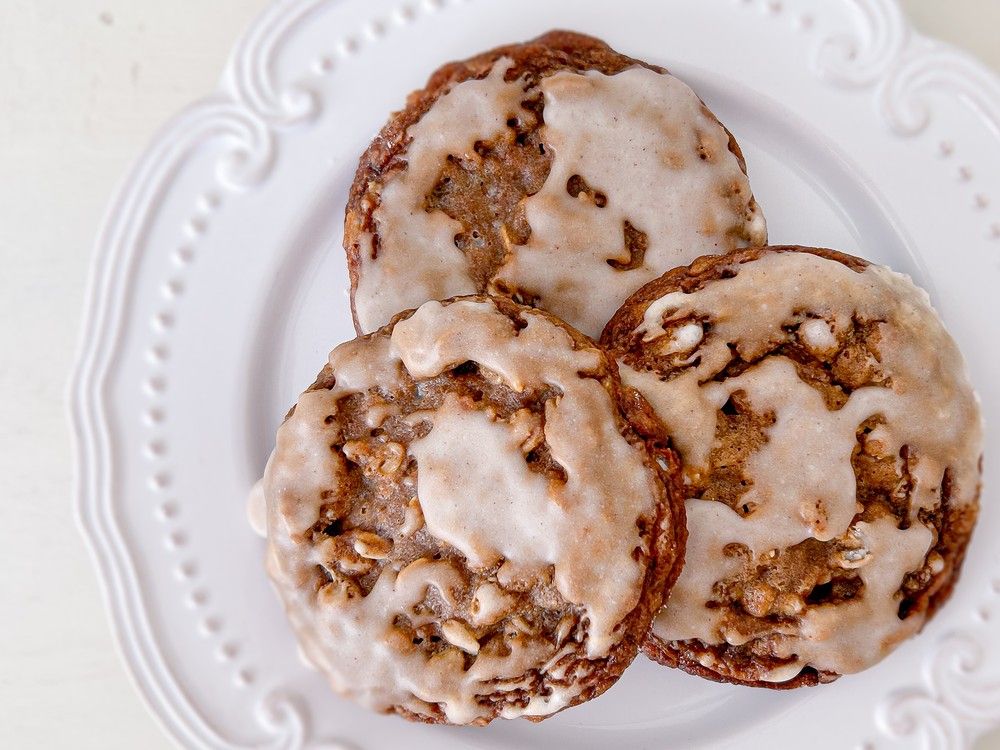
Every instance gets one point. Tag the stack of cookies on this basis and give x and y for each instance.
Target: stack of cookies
(591, 412)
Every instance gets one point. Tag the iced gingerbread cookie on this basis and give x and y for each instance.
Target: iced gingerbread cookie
(831, 447)
(543, 171)
(462, 522)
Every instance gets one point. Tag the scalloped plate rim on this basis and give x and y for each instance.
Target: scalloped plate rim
(87, 405)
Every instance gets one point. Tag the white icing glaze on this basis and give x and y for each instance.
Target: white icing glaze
(300, 469)
(501, 509)
(476, 492)
(634, 136)
(428, 343)
(257, 509)
(465, 496)
(803, 485)
(417, 258)
(856, 634)
(818, 336)
(685, 338)
(803, 481)
(361, 364)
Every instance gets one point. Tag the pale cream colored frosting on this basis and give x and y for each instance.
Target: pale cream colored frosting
(803, 484)
(634, 136)
(476, 492)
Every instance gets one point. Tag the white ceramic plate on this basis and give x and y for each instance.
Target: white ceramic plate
(219, 287)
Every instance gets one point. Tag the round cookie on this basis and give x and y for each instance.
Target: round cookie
(543, 171)
(831, 451)
(463, 523)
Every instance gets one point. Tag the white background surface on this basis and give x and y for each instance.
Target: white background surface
(83, 87)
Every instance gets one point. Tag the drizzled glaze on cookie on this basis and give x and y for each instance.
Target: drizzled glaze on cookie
(547, 188)
(461, 522)
(831, 445)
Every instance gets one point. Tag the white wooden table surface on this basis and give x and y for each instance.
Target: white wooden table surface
(83, 86)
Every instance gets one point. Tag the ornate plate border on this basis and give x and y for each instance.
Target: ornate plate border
(884, 55)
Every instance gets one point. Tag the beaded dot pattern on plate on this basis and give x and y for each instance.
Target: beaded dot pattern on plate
(156, 448)
(163, 323)
(227, 649)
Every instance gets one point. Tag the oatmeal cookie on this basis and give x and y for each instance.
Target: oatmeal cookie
(831, 450)
(462, 521)
(547, 172)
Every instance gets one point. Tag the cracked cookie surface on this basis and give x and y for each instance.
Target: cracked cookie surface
(462, 522)
(543, 171)
(831, 450)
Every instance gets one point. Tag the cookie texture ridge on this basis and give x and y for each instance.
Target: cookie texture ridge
(831, 450)
(463, 522)
(543, 171)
